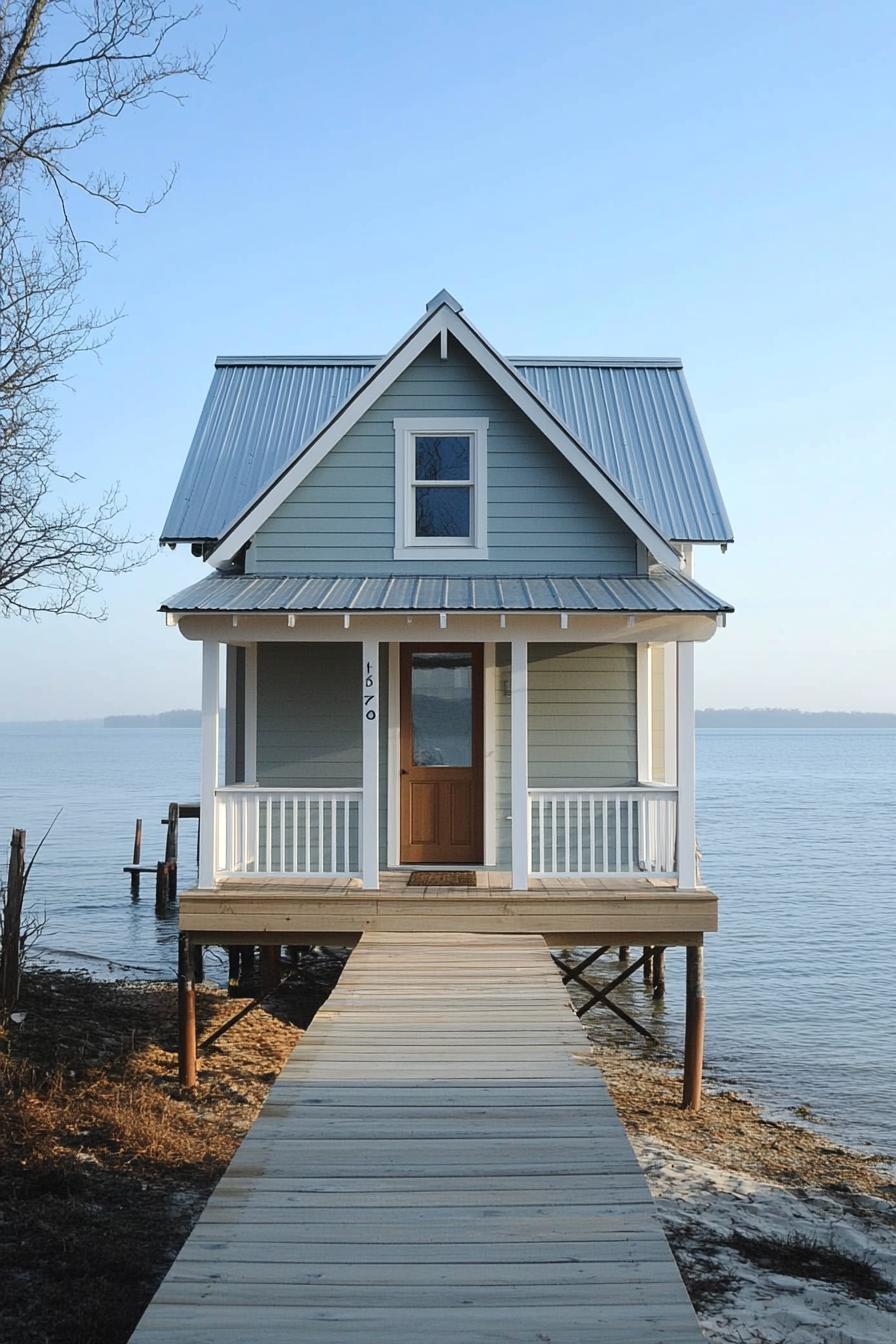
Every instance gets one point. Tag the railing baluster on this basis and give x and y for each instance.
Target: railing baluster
(320, 834)
(566, 834)
(553, 803)
(269, 828)
(631, 857)
(605, 822)
(282, 834)
(579, 832)
(345, 856)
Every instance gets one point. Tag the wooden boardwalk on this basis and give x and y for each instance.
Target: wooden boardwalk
(437, 1162)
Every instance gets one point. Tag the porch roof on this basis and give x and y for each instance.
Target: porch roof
(663, 591)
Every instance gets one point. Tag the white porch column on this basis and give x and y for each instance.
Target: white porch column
(644, 697)
(209, 768)
(519, 764)
(670, 714)
(370, 768)
(250, 715)
(687, 838)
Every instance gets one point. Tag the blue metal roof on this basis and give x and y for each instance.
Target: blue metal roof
(664, 591)
(634, 417)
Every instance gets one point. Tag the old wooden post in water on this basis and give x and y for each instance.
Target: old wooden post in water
(11, 946)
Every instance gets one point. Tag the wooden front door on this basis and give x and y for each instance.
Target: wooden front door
(441, 753)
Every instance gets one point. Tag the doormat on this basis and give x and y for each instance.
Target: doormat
(440, 878)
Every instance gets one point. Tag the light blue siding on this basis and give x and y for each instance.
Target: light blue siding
(309, 719)
(582, 723)
(309, 716)
(542, 516)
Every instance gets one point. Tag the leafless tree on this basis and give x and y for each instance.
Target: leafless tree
(67, 71)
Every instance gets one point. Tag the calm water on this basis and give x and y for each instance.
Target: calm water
(798, 838)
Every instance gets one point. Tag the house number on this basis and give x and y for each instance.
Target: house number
(369, 692)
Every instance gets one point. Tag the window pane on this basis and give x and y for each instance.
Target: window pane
(442, 457)
(442, 708)
(443, 511)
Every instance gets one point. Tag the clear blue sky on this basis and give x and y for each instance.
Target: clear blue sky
(703, 179)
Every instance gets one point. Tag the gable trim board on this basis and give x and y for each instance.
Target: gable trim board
(431, 325)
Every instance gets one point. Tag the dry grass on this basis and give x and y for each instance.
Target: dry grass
(104, 1163)
(733, 1133)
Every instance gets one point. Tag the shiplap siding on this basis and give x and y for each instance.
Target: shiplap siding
(542, 516)
(235, 715)
(583, 728)
(309, 719)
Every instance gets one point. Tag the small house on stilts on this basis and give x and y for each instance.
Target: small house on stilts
(453, 607)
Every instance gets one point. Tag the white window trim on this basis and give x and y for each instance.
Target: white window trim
(407, 545)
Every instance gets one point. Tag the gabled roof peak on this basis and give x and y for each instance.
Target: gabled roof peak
(444, 297)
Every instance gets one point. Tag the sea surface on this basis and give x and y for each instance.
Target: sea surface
(798, 838)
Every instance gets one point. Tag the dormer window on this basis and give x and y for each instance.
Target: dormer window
(440, 484)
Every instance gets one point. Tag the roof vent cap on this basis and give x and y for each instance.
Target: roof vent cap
(444, 297)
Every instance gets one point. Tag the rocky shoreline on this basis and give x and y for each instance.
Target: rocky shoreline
(781, 1235)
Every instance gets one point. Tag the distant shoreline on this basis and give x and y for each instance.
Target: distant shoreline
(709, 722)
(785, 721)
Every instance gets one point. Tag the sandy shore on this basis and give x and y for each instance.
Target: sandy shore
(782, 1236)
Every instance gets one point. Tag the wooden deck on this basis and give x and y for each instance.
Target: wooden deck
(437, 1162)
(566, 911)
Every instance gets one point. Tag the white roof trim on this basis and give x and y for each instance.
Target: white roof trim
(429, 326)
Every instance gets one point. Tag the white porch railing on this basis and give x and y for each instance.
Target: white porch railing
(603, 832)
(288, 832)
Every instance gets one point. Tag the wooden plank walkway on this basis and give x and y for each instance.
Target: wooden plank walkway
(436, 1163)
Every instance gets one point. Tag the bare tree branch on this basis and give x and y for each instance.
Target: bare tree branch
(68, 70)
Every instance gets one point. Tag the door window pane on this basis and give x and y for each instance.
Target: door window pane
(442, 511)
(442, 457)
(442, 708)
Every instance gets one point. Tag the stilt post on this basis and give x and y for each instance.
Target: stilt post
(186, 1014)
(659, 972)
(695, 1014)
(648, 964)
(198, 963)
(623, 955)
(270, 968)
(233, 971)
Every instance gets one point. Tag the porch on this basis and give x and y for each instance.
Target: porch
(551, 754)
(336, 910)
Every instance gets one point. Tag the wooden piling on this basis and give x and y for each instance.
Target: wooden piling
(186, 1014)
(138, 846)
(623, 955)
(162, 889)
(695, 1016)
(270, 968)
(171, 849)
(648, 964)
(233, 971)
(198, 964)
(659, 972)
